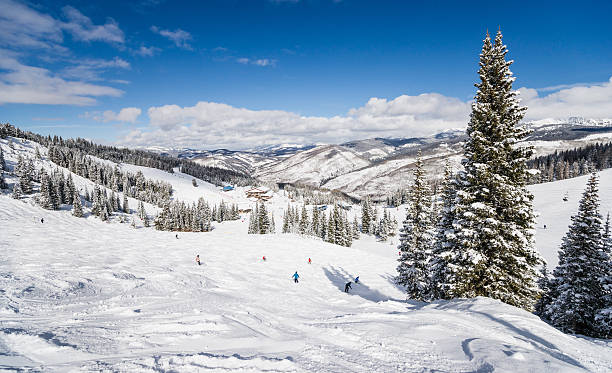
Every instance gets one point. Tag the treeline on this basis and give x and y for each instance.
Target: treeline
(133, 185)
(567, 164)
(213, 175)
(313, 196)
(57, 189)
(197, 217)
(261, 222)
(371, 224)
(333, 227)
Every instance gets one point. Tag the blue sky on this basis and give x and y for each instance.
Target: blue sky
(238, 74)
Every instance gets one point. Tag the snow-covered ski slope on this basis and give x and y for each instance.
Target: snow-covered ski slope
(556, 213)
(84, 295)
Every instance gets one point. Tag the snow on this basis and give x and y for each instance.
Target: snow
(556, 214)
(85, 295)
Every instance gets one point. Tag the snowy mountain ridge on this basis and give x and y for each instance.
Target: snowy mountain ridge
(378, 166)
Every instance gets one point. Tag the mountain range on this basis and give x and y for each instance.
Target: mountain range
(379, 166)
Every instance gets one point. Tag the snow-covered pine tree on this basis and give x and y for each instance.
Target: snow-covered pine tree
(163, 220)
(323, 226)
(355, 228)
(348, 232)
(315, 227)
(126, 205)
(546, 285)
(416, 238)
(365, 215)
(2, 161)
(339, 229)
(304, 223)
(44, 198)
(253, 226)
(495, 220)
(25, 179)
(263, 220)
(331, 229)
(16, 191)
(603, 318)
(286, 222)
(77, 207)
(578, 293)
(69, 190)
(446, 259)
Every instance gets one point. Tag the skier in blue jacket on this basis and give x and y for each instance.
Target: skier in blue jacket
(295, 277)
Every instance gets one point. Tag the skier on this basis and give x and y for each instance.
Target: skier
(42, 220)
(544, 226)
(264, 258)
(177, 236)
(198, 259)
(347, 287)
(356, 280)
(295, 277)
(309, 261)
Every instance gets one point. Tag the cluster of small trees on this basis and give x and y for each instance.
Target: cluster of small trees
(134, 185)
(397, 198)
(261, 222)
(27, 175)
(197, 217)
(578, 297)
(571, 163)
(478, 240)
(333, 227)
(313, 196)
(370, 224)
(214, 175)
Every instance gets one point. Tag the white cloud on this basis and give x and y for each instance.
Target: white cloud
(213, 125)
(590, 101)
(128, 114)
(147, 51)
(258, 62)
(82, 28)
(180, 37)
(25, 27)
(90, 69)
(34, 85)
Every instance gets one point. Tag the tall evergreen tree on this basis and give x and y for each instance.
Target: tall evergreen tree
(263, 219)
(578, 295)
(2, 161)
(16, 191)
(303, 229)
(416, 239)
(546, 285)
(603, 318)
(77, 206)
(126, 205)
(494, 215)
(446, 260)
